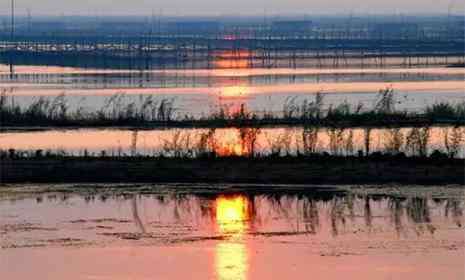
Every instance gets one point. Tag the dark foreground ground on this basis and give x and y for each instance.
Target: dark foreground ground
(295, 170)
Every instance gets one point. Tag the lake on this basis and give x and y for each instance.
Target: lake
(231, 232)
(199, 92)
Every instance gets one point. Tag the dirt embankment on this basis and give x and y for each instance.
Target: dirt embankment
(321, 170)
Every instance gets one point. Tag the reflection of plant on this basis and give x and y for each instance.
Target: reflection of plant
(367, 212)
(315, 210)
(311, 215)
(395, 205)
(418, 211)
(337, 215)
(454, 207)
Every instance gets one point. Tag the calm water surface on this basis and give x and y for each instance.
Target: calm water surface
(201, 91)
(232, 232)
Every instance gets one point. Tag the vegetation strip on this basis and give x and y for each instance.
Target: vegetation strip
(149, 112)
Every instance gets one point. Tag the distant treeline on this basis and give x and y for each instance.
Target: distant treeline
(332, 26)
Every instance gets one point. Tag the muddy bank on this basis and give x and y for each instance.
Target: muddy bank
(289, 170)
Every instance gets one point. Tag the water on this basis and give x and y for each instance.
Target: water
(231, 232)
(225, 232)
(198, 92)
(75, 78)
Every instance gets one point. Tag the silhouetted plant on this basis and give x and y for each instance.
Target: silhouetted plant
(340, 141)
(248, 138)
(453, 140)
(120, 110)
(277, 143)
(417, 141)
(310, 139)
(336, 138)
(305, 110)
(349, 142)
(445, 110)
(385, 102)
(340, 112)
(394, 140)
(178, 145)
(207, 144)
(367, 139)
(165, 110)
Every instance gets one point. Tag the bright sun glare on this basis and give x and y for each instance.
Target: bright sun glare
(232, 214)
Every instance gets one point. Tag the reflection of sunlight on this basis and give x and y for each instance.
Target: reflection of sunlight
(233, 59)
(234, 54)
(231, 261)
(231, 257)
(234, 92)
(232, 98)
(232, 63)
(232, 214)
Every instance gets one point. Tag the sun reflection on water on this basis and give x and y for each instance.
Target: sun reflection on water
(231, 261)
(231, 255)
(239, 91)
(232, 214)
(233, 60)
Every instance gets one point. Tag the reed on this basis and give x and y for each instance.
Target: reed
(149, 111)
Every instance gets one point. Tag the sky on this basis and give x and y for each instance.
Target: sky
(231, 7)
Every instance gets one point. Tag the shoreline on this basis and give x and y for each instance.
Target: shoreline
(315, 170)
(261, 123)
